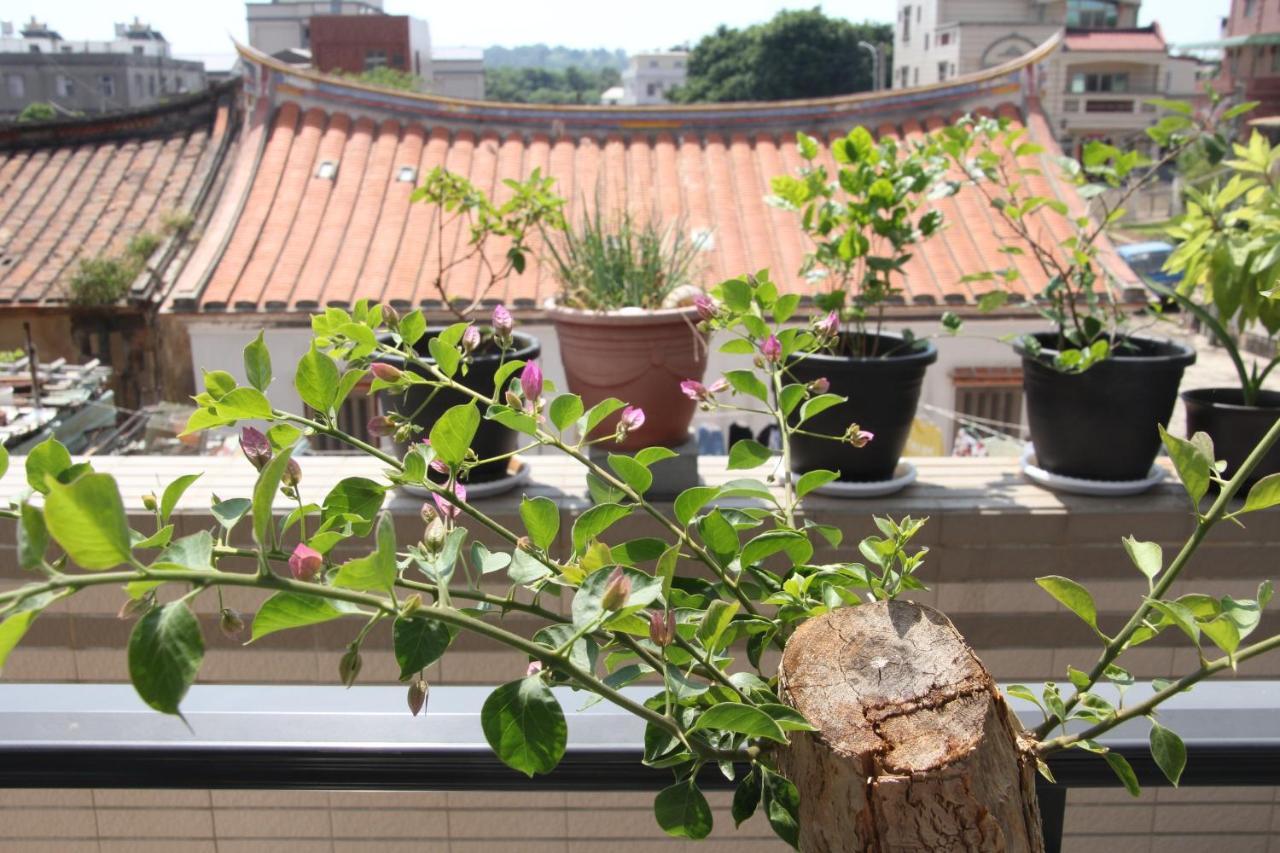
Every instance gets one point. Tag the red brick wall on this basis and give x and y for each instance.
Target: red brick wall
(341, 42)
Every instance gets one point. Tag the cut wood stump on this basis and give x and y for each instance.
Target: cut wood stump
(916, 749)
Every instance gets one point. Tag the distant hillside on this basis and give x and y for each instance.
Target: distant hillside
(553, 58)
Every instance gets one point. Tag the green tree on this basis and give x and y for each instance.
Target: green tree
(798, 54)
(38, 111)
(574, 85)
(387, 78)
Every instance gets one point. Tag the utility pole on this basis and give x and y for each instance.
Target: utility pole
(877, 62)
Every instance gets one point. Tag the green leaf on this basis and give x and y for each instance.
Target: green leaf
(817, 405)
(264, 496)
(748, 453)
(229, 512)
(419, 641)
(595, 521)
(565, 410)
(257, 363)
(412, 327)
(355, 496)
(743, 719)
(526, 569)
(769, 543)
(811, 480)
(782, 806)
(1169, 752)
(193, 552)
(1073, 596)
(33, 537)
(992, 300)
(788, 719)
(693, 499)
(1124, 772)
(173, 493)
(715, 621)
(4, 460)
(1264, 493)
(316, 380)
(165, 652)
(586, 608)
(682, 811)
(1191, 464)
(451, 436)
(631, 472)
(1147, 556)
(541, 519)
(350, 379)
(292, 610)
(486, 561)
(598, 413)
(12, 630)
(525, 726)
(447, 357)
(87, 519)
(718, 534)
(47, 459)
(219, 383)
(738, 346)
(746, 382)
(652, 455)
(747, 797)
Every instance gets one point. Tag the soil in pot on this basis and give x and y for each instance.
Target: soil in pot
(1234, 427)
(640, 357)
(492, 439)
(1102, 424)
(882, 396)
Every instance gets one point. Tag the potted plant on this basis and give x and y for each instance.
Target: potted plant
(863, 223)
(626, 319)
(1228, 254)
(1097, 392)
(487, 352)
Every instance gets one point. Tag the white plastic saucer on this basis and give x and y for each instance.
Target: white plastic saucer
(487, 489)
(903, 476)
(1079, 486)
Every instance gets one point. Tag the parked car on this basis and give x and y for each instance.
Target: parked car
(1147, 260)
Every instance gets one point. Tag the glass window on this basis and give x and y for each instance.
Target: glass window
(375, 59)
(66, 87)
(906, 28)
(1092, 13)
(137, 50)
(1082, 82)
(107, 85)
(17, 85)
(942, 71)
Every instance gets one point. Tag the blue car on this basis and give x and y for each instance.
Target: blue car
(1147, 260)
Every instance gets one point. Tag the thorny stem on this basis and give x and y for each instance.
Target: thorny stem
(1116, 645)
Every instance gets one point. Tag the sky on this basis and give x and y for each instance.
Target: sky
(203, 30)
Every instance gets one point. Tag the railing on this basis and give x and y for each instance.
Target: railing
(329, 738)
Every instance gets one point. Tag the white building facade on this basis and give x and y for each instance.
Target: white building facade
(648, 78)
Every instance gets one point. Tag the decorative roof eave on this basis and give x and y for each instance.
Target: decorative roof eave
(310, 88)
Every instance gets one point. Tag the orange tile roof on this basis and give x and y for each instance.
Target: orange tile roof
(289, 240)
(1139, 39)
(86, 187)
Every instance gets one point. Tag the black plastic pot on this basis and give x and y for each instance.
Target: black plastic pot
(882, 396)
(492, 439)
(1102, 424)
(1234, 427)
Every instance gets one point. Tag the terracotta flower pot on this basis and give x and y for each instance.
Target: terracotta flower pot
(638, 356)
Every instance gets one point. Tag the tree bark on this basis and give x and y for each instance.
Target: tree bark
(916, 749)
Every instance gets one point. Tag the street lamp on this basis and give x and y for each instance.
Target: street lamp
(877, 60)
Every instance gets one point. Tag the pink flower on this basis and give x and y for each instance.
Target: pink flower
(385, 372)
(771, 349)
(632, 419)
(255, 446)
(616, 591)
(828, 326)
(719, 386)
(531, 383)
(380, 425)
(857, 436)
(447, 509)
(502, 323)
(437, 464)
(470, 339)
(662, 627)
(305, 562)
(693, 389)
(533, 668)
(705, 305)
(819, 386)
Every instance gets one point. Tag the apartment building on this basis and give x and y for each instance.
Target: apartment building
(1097, 85)
(648, 78)
(1250, 45)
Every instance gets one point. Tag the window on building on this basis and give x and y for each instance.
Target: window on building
(1248, 8)
(906, 28)
(953, 69)
(16, 85)
(926, 41)
(1082, 82)
(397, 61)
(137, 84)
(942, 71)
(66, 87)
(915, 76)
(679, 63)
(375, 59)
(180, 83)
(137, 50)
(944, 38)
(919, 11)
(151, 86)
(66, 48)
(988, 400)
(107, 85)
(902, 76)
(1092, 13)
(34, 48)
(353, 419)
(1275, 61)
(653, 63)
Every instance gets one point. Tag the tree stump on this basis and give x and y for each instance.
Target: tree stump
(915, 749)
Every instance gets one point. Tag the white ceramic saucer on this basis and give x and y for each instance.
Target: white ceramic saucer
(1078, 486)
(903, 476)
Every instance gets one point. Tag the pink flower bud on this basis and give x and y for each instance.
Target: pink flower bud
(662, 627)
(385, 372)
(693, 389)
(444, 507)
(428, 513)
(705, 305)
(771, 349)
(256, 448)
(857, 436)
(437, 464)
(616, 591)
(305, 562)
(531, 383)
(533, 668)
(417, 697)
(828, 326)
(470, 339)
(349, 667)
(433, 539)
(292, 475)
(819, 386)
(380, 425)
(502, 323)
(632, 419)
(718, 387)
(390, 317)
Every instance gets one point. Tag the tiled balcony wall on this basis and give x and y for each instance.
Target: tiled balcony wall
(990, 533)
